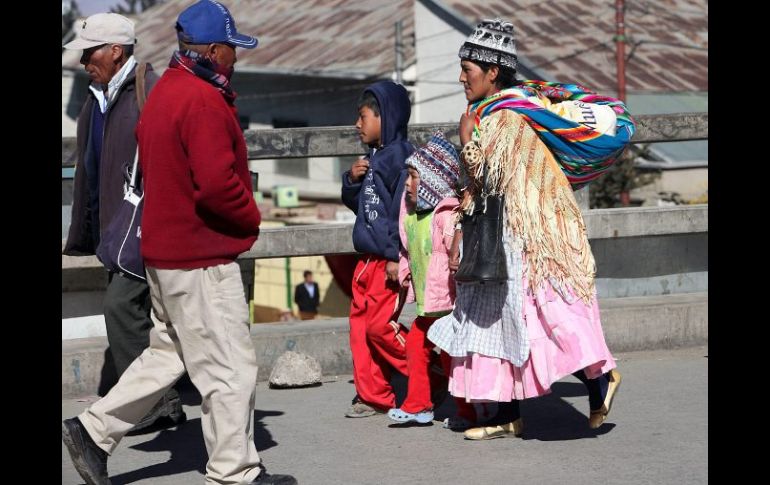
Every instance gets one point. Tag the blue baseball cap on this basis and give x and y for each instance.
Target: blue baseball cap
(207, 22)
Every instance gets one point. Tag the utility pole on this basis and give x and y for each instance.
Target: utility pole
(620, 57)
(620, 48)
(399, 54)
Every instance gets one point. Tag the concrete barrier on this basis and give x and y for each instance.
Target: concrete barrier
(640, 323)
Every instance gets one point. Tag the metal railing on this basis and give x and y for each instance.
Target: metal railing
(335, 238)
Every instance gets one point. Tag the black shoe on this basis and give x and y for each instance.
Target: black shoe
(265, 478)
(166, 413)
(90, 461)
(438, 395)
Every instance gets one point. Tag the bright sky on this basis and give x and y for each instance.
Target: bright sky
(90, 7)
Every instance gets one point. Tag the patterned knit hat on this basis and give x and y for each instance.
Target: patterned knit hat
(492, 42)
(439, 167)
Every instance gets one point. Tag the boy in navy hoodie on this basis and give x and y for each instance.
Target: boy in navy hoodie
(373, 189)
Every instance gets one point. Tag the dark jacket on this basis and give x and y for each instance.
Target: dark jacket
(303, 299)
(118, 150)
(376, 199)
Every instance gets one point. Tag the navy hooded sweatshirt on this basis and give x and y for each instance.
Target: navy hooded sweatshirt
(376, 199)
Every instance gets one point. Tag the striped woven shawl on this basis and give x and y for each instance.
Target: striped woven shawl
(582, 152)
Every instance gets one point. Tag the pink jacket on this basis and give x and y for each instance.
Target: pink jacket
(440, 284)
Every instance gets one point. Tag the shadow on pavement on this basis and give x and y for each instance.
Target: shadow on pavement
(546, 418)
(188, 451)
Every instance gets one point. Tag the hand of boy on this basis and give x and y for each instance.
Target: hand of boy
(391, 270)
(358, 170)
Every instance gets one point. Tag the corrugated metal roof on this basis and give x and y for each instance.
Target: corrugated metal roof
(342, 38)
(566, 40)
(572, 40)
(661, 103)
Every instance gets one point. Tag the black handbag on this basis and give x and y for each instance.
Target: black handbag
(483, 258)
(120, 246)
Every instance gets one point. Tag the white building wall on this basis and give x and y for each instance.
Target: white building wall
(439, 95)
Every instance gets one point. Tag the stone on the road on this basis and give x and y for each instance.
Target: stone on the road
(295, 369)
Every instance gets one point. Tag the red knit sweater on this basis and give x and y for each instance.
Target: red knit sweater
(199, 210)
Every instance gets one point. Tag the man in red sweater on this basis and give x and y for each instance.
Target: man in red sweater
(199, 215)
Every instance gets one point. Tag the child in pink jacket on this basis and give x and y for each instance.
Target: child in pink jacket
(426, 226)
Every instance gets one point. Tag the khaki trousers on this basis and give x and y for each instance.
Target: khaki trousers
(201, 323)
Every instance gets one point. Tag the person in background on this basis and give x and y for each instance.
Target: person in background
(306, 297)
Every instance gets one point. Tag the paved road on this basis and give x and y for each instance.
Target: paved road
(657, 434)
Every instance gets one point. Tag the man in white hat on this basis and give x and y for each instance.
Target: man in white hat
(105, 144)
